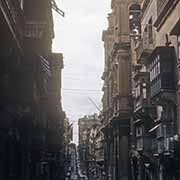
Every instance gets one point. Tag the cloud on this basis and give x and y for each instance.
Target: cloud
(78, 37)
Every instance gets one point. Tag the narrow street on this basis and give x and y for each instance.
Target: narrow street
(89, 90)
(74, 171)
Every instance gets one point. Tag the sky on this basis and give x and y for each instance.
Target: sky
(79, 37)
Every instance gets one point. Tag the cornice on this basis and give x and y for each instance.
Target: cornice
(164, 13)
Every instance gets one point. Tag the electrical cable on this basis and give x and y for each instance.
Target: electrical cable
(69, 89)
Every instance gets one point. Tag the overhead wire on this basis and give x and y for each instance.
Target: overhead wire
(91, 90)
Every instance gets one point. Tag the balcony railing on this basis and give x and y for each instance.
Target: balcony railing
(34, 29)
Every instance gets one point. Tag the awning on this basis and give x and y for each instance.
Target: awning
(154, 128)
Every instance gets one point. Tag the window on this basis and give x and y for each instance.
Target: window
(144, 91)
(145, 30)
(134, 19)
(159, 112)
(158, 67)
(139, 131)
(139, 144)
(160, 145)
(150, 75)
(161, 70)
(138, 91)
(179, 47)
(160, 131)
(155, 68)
(150, 31)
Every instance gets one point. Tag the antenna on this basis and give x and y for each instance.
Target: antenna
(94, 104)
(55, 7)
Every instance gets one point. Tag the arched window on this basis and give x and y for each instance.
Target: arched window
(134, 19)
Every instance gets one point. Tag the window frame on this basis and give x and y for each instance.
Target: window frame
(178, 47)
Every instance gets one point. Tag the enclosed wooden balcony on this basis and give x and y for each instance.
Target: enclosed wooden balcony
(162, 66)
(11, 23)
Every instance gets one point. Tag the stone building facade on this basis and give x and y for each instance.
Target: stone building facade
(91, 147)
(141, 90)
(31, 116)
(117, 108)
(96, 152)
(85, 125)
(155, 144)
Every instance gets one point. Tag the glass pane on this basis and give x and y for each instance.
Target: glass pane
(179, 39)
(144, 93)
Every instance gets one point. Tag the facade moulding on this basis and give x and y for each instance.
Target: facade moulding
(145, 5)
(164, 13)
(119, 48)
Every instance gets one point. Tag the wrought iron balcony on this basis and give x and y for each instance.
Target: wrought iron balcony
(34, 29)
(13, 16)
(161, 65)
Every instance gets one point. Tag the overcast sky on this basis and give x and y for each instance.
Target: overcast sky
(79, 37)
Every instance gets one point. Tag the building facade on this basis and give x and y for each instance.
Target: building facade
(155, 129)
(117, 108)
(91, 146)
(30, 98)
(140, 114)
(96, 152)
(85, 124)
(68, 137)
